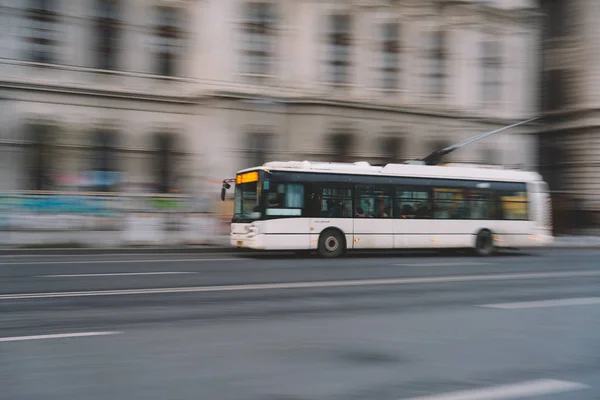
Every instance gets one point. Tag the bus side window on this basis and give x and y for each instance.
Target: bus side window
(449, 203)
(412, 203)
(514, 205)
(336, 201)
(480, 204)
(313, 201)
(372, 201)
(285, 199)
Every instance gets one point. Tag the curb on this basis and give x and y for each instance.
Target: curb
(89, 251)
(119, 250)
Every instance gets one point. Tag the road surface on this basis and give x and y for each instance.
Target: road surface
(225, 327)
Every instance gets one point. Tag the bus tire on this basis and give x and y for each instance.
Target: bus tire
(331, 243)
(484, 243)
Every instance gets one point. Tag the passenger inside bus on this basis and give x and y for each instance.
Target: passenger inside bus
(338, 209)
(423, 210)
(334, 209)
(382, 210)
(407, 211)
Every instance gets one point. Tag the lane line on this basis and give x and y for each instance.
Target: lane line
(117, 274)
(57, 336)
(511, 391)
(582, 301)
(304, 285)
(118, 261)
(442, 264)
(104, 255)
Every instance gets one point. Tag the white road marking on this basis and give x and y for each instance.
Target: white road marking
(119, 261)
(512, 391)
(304, 285)
(442, 264)
(104, 255)
(583, 301)
(117, 274)
(57, 336)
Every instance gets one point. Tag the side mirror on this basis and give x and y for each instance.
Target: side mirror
(225, 187)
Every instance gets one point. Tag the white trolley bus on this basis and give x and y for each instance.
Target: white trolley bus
(334, 207)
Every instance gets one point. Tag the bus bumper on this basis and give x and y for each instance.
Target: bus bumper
(243, 241)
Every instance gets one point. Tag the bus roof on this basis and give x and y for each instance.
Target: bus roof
(422, 171)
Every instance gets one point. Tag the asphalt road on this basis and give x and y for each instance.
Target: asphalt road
(202, 326)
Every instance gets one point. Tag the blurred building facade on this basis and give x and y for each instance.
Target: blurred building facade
(570, 138)
(171, 95)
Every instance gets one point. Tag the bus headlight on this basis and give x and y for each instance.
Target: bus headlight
(253, 231)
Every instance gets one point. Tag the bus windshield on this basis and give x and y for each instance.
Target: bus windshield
(246, 202)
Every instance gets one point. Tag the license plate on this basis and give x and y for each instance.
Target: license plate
(240, 243)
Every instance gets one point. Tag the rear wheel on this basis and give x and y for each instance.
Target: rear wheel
(484, 243)
(331, 244)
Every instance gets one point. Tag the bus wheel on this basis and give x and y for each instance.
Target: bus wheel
(484, 243)
(331, 244)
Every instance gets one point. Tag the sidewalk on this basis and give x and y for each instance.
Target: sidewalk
(561, 242)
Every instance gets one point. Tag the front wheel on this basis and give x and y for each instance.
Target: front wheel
(331, 244)
(484, 243)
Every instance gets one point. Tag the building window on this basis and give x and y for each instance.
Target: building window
(554, 90)
(390, 66)
(39, 158)
(260, 147)
(491, 66)
(107, 26)
(555, 22)
(42, 20)
(165, 161)
(168, 36)
(390, 149)
(435, 63)
(104, 168)
(339, 41)
(259, 38)
(340, 145)
(552, 159)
